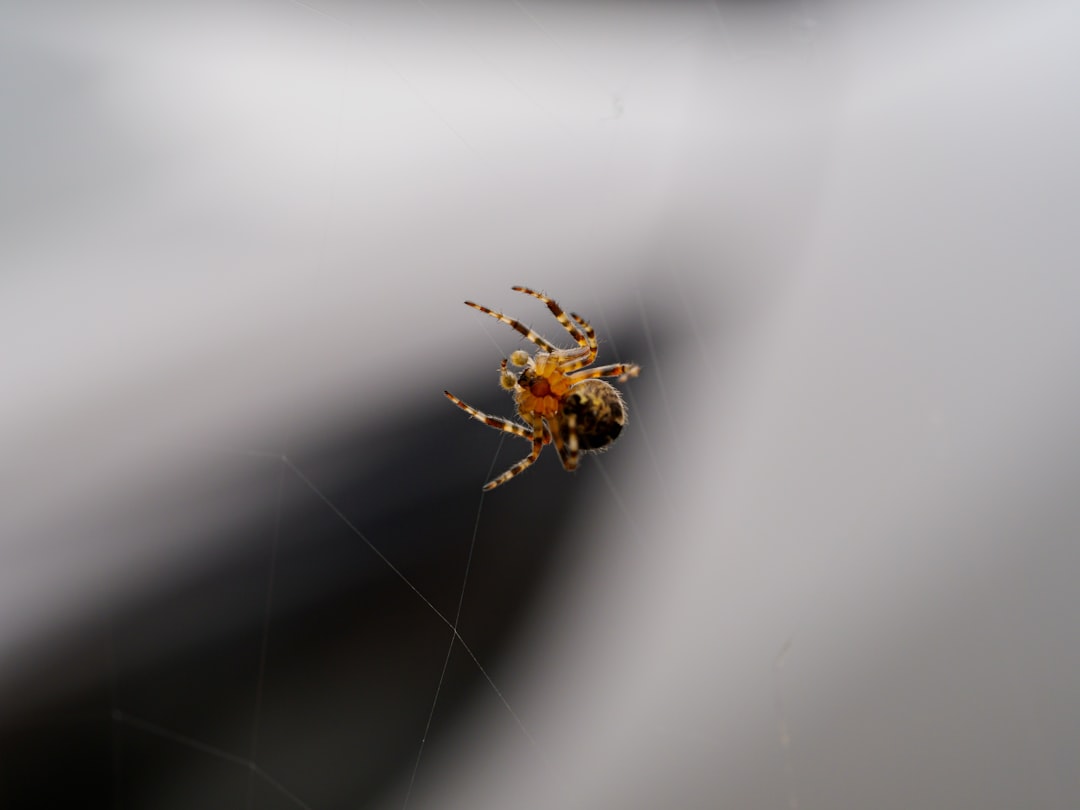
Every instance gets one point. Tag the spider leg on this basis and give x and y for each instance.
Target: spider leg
(624, 371)
(491, 421)
(516, 325)
(587, 353)
(556, 310)
(568, 450)
(586, 327)
(540, 437)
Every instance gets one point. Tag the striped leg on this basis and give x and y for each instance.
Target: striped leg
(568, 450)
(556, 310)
(624, 371)
(516, 325)
(589, 349)
(491, 421)
(586, 327)
(540, 437)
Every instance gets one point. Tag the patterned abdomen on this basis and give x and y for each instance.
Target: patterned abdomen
(599, 412)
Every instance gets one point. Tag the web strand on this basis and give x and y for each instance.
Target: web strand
(452, 625)
(654, 457)
(218, 753)
(265, 635)
(454, 637)
(250, 763)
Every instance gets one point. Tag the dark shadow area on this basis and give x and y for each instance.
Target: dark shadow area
(175, 700)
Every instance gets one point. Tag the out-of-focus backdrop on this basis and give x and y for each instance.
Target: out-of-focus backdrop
(832, 561)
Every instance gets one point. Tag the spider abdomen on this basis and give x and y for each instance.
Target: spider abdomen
(599, 414)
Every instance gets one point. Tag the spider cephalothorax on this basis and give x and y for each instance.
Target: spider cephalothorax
(560, 400)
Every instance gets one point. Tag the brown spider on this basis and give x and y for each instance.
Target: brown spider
(560, 400)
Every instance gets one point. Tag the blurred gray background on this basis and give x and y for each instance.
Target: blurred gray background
(830, 564)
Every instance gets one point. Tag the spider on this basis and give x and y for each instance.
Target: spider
(560, 401)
